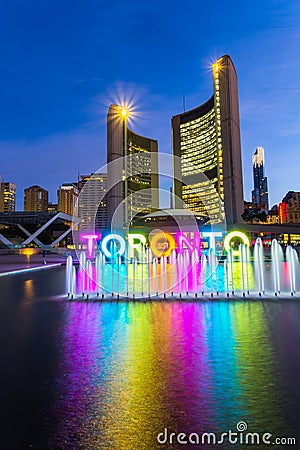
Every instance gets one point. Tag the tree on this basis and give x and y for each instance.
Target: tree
(254, 215)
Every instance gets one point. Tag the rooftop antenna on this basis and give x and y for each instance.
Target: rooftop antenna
(183, 101)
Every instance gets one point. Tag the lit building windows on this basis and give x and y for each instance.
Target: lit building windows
(206, 140)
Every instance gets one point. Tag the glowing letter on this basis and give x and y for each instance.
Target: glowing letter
(90, 243)
(112, 237)
(235, 234)
(133, 245)
(162, 243)
(212, 235)
(183, 240)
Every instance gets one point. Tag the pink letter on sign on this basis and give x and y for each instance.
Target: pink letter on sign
(90, 243)
(185, 242)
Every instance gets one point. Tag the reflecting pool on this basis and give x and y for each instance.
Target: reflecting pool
(112, 375)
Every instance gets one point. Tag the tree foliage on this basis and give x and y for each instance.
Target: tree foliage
(254, 215)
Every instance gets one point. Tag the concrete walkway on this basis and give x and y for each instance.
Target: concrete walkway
(13, 263)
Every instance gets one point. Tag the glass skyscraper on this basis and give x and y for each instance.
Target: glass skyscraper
(260, 196)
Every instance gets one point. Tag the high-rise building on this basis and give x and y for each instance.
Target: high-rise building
(273, 215)
(289, 208)
(206, 142)
(67, 196)
(92, 203)
(132, 181)
(260, 196)
(7, 197)
(52, 208)
(35, 199)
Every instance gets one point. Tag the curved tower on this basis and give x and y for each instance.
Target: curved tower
(132, 181)
(208, 172)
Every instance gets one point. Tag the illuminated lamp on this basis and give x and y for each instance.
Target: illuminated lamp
(28, 252)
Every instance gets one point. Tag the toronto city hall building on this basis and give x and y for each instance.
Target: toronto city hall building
(132, 182)
(206, 140)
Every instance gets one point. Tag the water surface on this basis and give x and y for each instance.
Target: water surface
(78, 375)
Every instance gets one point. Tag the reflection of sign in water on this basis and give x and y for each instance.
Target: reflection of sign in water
(161, 243)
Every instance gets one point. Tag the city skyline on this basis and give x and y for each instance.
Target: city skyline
(57, 104)
(162, 200)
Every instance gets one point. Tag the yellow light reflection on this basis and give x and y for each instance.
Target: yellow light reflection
(29, 293)
(27, 252)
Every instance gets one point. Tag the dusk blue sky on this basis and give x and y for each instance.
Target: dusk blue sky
(63, 62)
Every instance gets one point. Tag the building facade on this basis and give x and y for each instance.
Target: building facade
(35, 199)
(273, 215)
(92, 201)
(260, 196)
(207, 151)
(7, 197)
(67, 196)
(132, 170)
(289, 208)
(52, 208)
